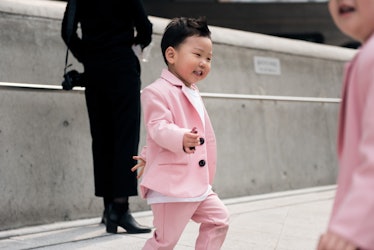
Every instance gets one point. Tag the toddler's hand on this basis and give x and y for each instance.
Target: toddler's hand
(190, 141)
(140, 165)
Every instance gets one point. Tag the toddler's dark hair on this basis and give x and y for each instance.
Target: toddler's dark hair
(181, 28)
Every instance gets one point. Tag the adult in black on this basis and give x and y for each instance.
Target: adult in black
(112, 75)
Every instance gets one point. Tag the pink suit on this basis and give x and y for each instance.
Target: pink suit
(168, 115)
(353, 211)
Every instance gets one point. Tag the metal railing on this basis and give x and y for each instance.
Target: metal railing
(203, 94)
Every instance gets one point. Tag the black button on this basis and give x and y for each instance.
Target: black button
(202, 163)
(201, 141)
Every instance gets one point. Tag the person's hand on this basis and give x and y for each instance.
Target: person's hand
(140, 165)
(190, 141)
(331, 241)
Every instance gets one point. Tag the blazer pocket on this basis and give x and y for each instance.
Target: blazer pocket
(169, 158)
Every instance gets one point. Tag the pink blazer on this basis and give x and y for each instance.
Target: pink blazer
(168, 114)
(353, 211)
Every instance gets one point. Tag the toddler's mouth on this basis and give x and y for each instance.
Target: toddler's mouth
(198, 73)
(345, 9)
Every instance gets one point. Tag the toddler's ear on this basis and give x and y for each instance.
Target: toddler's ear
(170, 54)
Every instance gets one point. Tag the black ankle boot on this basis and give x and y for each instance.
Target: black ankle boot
(104, 218)
(106, 201)
(119, 215)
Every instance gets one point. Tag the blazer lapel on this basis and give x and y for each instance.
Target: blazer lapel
(172, 79)
(184, 91)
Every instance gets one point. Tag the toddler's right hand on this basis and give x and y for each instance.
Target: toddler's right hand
(140, 165)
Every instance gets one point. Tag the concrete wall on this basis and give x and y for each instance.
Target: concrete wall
(310, 21)
(274, 132)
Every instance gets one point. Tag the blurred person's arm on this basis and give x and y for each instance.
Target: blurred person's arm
(142, 24)
(69, 34)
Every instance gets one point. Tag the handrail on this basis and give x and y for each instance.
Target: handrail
(34, 86)
(272, 98)
(203, 94)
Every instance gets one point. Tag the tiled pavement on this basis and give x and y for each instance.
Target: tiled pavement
(291, 220)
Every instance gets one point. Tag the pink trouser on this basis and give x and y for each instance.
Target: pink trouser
(170, 219)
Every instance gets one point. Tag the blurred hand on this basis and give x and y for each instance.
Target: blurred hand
(332, 241)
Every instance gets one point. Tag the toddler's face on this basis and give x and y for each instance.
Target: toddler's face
(191, 60)
(355, 18)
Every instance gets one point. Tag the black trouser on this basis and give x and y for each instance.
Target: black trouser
(113, 103)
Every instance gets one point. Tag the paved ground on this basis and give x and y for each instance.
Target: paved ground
(282, 221)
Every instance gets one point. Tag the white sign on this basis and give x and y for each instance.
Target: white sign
(267, 65)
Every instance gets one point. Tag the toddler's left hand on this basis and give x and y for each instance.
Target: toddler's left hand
(190, 141)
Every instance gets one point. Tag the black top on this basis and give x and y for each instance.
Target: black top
(108, 28)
